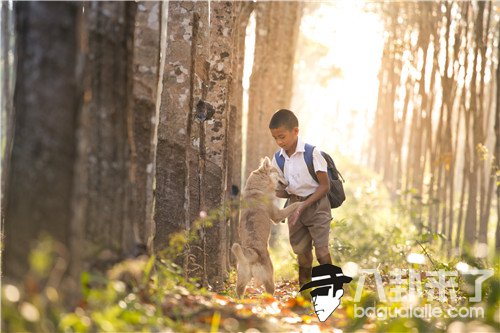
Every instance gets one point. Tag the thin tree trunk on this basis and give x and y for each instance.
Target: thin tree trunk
(483, 174)
(497, 149)
(472, 213)
(466, 115)
(7, 115)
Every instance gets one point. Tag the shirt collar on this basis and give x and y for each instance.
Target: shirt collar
(300, 147)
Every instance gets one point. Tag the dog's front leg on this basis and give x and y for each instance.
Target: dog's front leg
(278, 214)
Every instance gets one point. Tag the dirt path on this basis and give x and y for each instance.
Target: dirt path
(257, 312)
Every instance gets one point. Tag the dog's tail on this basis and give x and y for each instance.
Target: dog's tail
(249, 256)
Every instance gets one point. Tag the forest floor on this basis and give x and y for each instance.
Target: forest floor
(258, 312)
(370, 231)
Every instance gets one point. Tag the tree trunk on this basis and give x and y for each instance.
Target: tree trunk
(171, 162)
(7, 115)
(484, 176)
(472, 205)
(195, 169)
(103, 219)
(234, 142)
(271, 80)
(497, 150)
(142, 123)
(46, 104)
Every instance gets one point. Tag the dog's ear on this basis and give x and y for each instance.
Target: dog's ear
(265, 163)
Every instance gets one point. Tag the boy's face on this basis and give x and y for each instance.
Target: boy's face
(284, 137)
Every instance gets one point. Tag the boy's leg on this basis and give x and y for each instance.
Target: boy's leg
(305, 267)
(323, 255)
(319, 228)
(301, 242)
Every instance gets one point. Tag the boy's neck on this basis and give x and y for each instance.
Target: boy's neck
(292, 149)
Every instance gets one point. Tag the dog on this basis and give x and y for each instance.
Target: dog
(257, 212)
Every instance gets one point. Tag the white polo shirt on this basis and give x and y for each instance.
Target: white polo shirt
(300, 181)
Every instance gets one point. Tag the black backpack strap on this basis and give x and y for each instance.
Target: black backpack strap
(308, 157)
(340, 175)
(336, 173)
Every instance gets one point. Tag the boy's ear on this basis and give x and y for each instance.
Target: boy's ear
(296, 130)
(339, 293)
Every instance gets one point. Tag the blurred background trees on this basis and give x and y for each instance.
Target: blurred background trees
(435, 133)
(412, 94)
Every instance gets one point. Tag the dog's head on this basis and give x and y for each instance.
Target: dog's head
(264, 179)
(269, 173)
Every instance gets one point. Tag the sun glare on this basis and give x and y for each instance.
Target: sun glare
(247, 72)
(337, 63)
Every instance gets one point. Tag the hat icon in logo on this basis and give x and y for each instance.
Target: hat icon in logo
(326, 298)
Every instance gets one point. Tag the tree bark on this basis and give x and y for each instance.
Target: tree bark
(7, 114)
(103, 219)
(142, 118)
(472, 206)
(46, 103)
(497, 149)
(271, 80)
(171, 169)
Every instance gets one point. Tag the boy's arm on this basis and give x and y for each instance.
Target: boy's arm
(280, 191)
(320, 166)
(321, 191)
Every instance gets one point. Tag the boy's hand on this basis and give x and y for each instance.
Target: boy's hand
(292, 219)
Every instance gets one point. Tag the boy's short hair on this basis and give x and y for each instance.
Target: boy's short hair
(284, 117)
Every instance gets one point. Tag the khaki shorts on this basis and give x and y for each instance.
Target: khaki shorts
(312, 227)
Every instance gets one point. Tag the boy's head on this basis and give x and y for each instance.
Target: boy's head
(284, 127)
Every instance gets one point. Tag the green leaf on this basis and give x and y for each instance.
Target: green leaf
(148, 268)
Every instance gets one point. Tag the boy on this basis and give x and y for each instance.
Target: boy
(310, 223)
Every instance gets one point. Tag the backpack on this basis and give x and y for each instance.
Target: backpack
(336, 195)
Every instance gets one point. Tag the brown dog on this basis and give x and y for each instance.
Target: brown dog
(258, 210)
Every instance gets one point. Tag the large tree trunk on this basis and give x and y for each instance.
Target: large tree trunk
(170, 214)
(271, 80)
(194, 165)
(142, 116)
(234, 142)
(103, 218)
(43, 155)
